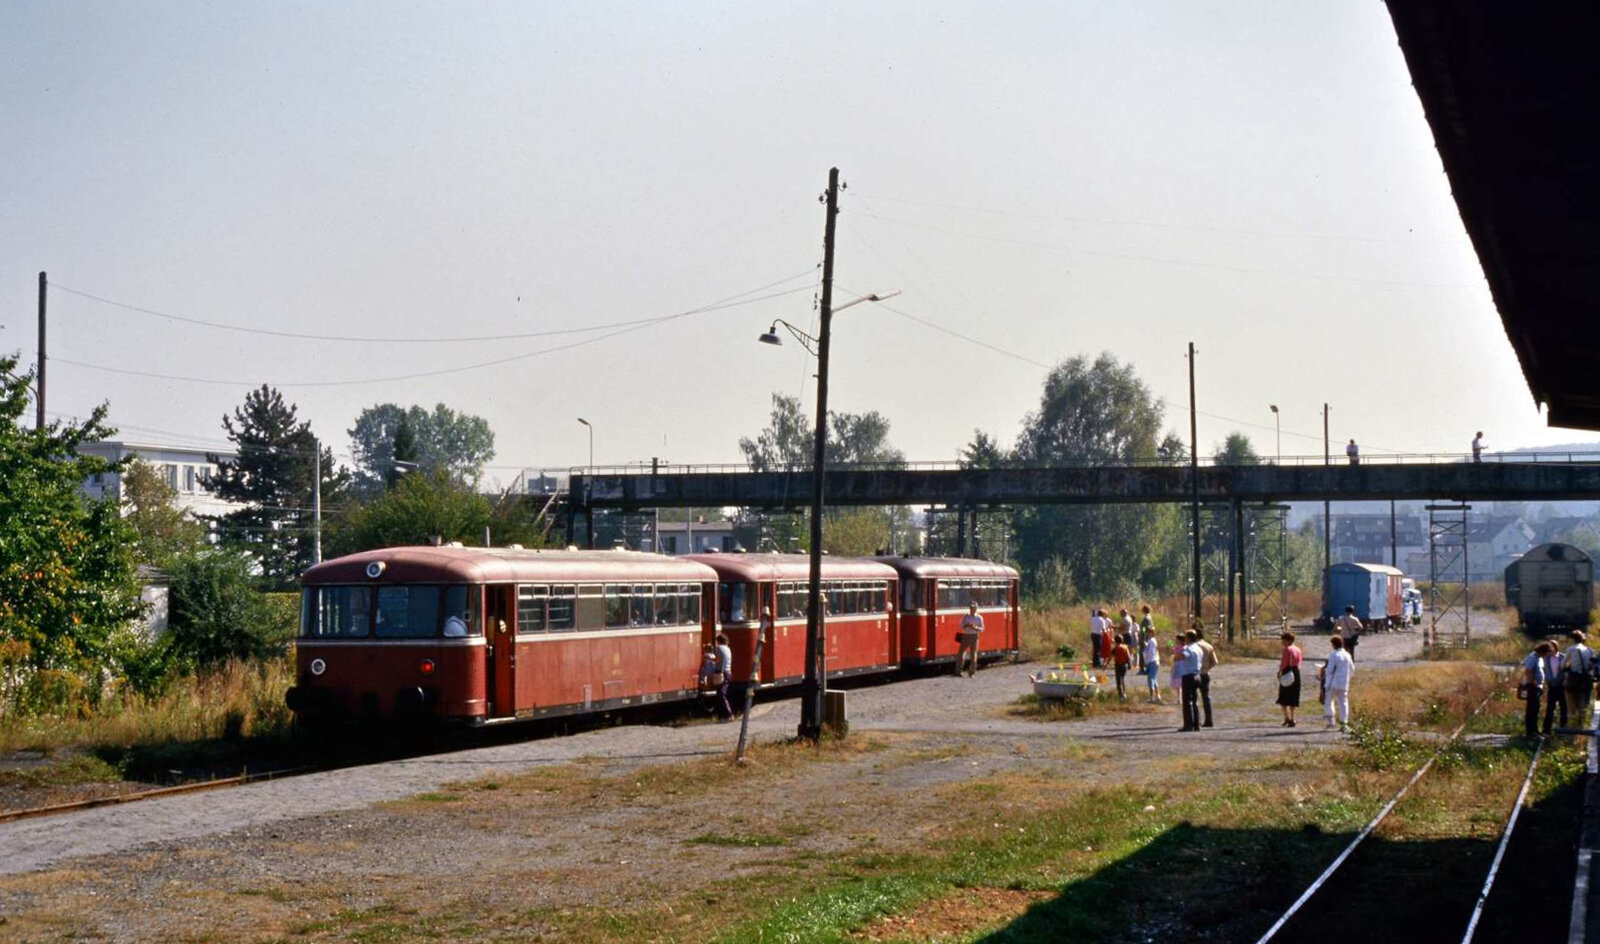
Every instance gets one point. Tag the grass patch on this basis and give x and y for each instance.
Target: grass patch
(76, 769)
(1034, 708)
(1499, 649)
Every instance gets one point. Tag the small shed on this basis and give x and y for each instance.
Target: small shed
(1373, 589)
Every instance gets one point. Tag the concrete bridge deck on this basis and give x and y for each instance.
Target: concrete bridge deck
(1574, 479)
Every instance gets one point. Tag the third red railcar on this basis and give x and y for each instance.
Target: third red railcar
(934, 594)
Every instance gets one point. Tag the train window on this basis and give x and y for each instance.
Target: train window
(911, 595)
(533, 605)
(642, 612)
(617, 598)
(666, 609)
(337, 611)
(689, 604)
(407, 612)
(461, 606)
(592, 607)
(562, 617)
(734, 606)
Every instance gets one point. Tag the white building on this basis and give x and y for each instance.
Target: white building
(184, 469)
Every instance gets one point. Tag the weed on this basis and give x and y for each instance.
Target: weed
(735, 840)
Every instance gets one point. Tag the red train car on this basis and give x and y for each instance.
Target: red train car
(860, 629)
(934, 594)
(483, 635)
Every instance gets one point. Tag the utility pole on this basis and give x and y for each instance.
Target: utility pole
(316, 499)
(812, 687)
(1327, 519)
(1194, 482)
(39, 402)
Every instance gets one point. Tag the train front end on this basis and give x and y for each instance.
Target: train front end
(396, 634)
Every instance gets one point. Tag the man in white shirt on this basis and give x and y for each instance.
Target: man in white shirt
(1578, 678)
(1477, 447)
(1354, 452)
(1336, 684)
(1098, 624)
(967, 637)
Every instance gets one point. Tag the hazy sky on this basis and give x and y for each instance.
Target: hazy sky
(1049, 179)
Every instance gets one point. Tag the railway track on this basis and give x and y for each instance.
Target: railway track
(1330, 902)
(56, 809)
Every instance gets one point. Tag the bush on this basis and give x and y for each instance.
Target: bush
(216, 613)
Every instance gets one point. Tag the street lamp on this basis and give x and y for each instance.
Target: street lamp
(1277, 425)
(811, 688)
(590, 426)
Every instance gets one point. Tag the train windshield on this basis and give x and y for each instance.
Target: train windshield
(738, 602)
(389, 612)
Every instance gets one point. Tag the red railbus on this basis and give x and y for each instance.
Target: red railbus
(860, 631)
(934, 594)
(483, 635)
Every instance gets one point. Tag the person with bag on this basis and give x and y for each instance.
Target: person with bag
(967, 641)
(1349, 628)
(1531, 688)
(1578, 679)
(1555, 701)
(715, 674)
(1289, 678)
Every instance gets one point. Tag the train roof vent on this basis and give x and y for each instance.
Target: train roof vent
(515, 547)
(572, 547)
(455, 544)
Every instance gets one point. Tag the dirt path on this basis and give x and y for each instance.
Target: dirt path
(360, 836)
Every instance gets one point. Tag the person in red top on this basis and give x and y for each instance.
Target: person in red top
(1289, 664)
(1120, 658)
(1108, 641)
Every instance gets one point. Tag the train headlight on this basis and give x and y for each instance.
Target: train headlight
(318, 667)
(425, 666)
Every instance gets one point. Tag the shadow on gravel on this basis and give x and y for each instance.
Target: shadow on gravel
(1206, 884)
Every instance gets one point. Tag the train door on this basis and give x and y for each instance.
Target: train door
(500, 607)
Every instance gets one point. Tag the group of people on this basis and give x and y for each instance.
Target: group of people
(1561, 681)
(1126, 646)
(1353, 451)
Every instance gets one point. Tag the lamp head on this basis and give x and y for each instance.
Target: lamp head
(1273, 407)
(584, 422)
(771, 337)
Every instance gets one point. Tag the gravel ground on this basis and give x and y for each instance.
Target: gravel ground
(345, 833)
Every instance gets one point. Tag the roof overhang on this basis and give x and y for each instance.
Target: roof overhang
(1511, 91)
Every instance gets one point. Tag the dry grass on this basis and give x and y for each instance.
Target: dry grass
(238, 700)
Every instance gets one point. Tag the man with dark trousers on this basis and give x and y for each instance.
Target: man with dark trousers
(1188, 665)
(1208, 661)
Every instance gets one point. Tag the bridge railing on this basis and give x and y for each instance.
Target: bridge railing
(1378, 459)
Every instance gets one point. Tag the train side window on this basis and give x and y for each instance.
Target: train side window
(617, 606)
(533, 606)
(689, 604)
(733, 596)
(561, 614)
(911, 595)
(666, 608)
(642, 612)
(591, 608)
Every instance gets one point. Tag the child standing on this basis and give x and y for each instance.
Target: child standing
(1152, 667)
(1121, 656)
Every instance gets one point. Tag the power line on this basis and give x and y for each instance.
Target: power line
(715, 306)
(389, 339)
(1197, 227)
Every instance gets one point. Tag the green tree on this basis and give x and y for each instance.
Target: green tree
(1090, 413)
(67, 573)
(215, 612)
(1236, 450)
(422, 506)
(274, 478)
(788, 442)
(457, 444)
(162, 531)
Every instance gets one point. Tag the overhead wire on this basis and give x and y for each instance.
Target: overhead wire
(417, 375)
(389, 339)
